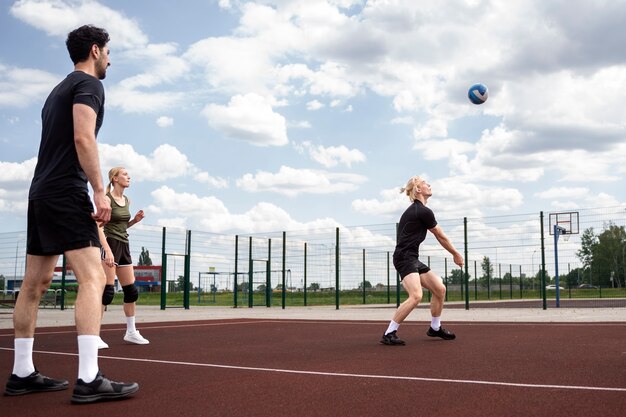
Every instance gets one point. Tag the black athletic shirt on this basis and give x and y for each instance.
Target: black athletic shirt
(412, 229)
(58, 170)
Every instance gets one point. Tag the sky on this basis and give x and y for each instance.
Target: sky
(257, 116)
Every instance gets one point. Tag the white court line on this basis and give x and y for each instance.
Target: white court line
(341, 374)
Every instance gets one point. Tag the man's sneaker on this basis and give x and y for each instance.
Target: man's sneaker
(135, 337)
(442, 333)
(102, 389)
(391, 339)
(34, 382)
(102, 344)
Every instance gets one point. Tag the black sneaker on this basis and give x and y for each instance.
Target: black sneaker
(442, 333)
(391, 339)
(102, 389)
(34, 382)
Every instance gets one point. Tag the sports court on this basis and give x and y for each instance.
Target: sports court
(267, 364)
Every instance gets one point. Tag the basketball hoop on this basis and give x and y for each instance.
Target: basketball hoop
(565, 237)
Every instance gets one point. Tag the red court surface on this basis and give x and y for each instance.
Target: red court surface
(301, 368)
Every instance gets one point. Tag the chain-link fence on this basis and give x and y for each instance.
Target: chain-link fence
(511, 260)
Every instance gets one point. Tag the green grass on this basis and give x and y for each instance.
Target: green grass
(353, 297)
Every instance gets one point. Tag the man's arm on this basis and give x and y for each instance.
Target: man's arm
(87, 150)
(447, 245)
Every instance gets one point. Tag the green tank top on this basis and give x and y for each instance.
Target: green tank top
(117, 227)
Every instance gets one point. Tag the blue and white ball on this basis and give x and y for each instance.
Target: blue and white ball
(478, 93)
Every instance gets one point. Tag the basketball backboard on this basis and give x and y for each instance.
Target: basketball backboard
(566, 221)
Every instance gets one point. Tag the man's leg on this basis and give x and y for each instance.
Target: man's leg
(438, 295)
(25, 378)
(37, 279)
(88, 311)
(91, 385)
(412, 286)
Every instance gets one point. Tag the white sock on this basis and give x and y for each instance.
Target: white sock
(130, 324)
(392, 326)
(435, 323)
(23, 359)
(88, 357)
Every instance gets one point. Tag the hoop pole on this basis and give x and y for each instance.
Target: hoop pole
(557, 232)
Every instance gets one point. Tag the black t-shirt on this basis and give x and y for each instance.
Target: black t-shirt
(412, 229)
(58, 170)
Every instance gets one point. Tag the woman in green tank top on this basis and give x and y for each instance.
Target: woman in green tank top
(116, 257)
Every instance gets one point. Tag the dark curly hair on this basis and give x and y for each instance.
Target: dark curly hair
(79, 41)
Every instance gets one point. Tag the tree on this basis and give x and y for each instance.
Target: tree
(456, 277)
(487, 268)
(604, 256)
(365, 284)
(144, 258)
(314, 286)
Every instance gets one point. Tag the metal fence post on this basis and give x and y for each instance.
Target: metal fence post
(187, 272)
(337, 268)
(543, 264)
(466, 265)
(163, 271)
(235, 285)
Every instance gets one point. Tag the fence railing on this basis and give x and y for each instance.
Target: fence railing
(509, 260)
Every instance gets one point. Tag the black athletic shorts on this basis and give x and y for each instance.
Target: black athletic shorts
(59, 224)
(406, 265)
(121, 252)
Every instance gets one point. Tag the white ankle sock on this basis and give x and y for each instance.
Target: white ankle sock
(88, 357)
(23, 359)
(435, 323)
(130, 324)
(392, 326)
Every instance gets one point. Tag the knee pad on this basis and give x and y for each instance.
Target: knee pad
(130, 293)
(108, 294)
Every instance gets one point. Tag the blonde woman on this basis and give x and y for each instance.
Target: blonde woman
(414, 223)
(116, 252)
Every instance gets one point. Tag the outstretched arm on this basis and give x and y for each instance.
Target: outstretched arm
(447, 245)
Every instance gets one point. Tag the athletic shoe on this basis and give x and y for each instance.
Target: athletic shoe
(102, 344)
(135, 337)
(442, 333)
(34, 382)
(102, 389)
(391, 339)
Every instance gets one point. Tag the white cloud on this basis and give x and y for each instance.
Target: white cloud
(249, 118)
(21, 87)
(215, 182)
(58, 17)
(314, 105)
(334, 155)
(292, 181)
(210, 214)
(164, 163)
(164, 121)
(14, 185)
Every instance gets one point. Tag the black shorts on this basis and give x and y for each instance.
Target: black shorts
(121, 252)
(406, 265)
(60, 224)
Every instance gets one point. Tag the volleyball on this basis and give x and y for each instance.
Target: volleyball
(478, 93)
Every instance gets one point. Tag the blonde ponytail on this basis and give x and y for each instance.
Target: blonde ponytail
(113, 172)
(410, 187)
